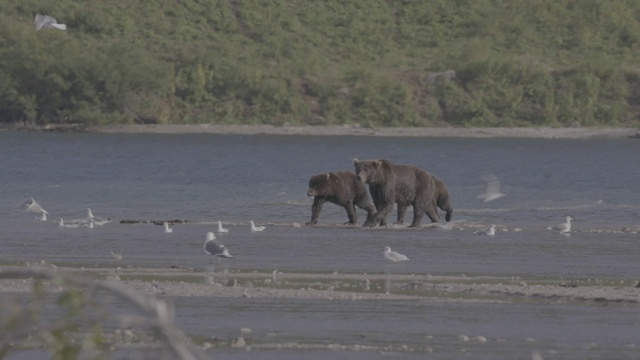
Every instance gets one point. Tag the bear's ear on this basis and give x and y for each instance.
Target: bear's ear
(355, 161)
(377, 163)
(328, 176)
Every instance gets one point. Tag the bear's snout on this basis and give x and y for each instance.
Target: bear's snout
(312, 192)
(361, 178)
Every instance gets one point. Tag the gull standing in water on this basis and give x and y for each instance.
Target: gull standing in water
(255, 228)
(47, 22)
(564, 228)
(493, 189)
(168, 228)
(490, 231)
(214, 248)
(393, 256)
(221, 230)
(33, 207)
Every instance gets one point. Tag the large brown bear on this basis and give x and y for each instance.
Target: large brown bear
(402, 184)
(341, 188)
(441, 200)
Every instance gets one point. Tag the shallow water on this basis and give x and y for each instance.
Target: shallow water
(206, 178)
(380, 329)
(415, 328)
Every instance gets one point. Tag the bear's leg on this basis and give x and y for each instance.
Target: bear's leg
(315, 210)
(375, 218)
(445, 205)
(383, 200)
(367, 206)
(418, 213)
(371, 222)
(381, 216)
(420, 208)
(448, 209)
(432, 212)
(351, 212)
(402, 210)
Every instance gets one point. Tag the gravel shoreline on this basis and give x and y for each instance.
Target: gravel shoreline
(345, 130)
(188, 282)
(538, 132)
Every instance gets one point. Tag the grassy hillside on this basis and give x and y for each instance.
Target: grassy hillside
(377, 63)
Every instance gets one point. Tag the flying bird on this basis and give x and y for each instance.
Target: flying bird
(33, 207)
(255, 228)
(97, 220)
(493, 189)
(393, 256)
(214, 248)
(47, 22)
(117, 256)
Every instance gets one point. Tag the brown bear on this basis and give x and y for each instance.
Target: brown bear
(441, 200)
(341, 188)
(402, 184)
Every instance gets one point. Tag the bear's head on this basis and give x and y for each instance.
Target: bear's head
(368, 171)
(319, 185)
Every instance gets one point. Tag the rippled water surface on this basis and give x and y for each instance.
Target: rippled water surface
(234, 179)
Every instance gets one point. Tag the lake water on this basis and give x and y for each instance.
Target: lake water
(234, 179)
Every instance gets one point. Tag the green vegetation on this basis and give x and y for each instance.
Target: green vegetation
(324, 62)
(76, 322)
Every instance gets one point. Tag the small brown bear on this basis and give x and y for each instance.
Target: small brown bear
(402, 184)
(341, 188)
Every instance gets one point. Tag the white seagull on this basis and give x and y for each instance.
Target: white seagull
(61, 224)
(97, 220)
(81, 221)
(168, 228)
(393, 256)
(490, 231)
(255, 228)
(493, 189)
(33, 207)
(221, 229)
(213, 248)
(564, 228)
(47, 22)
